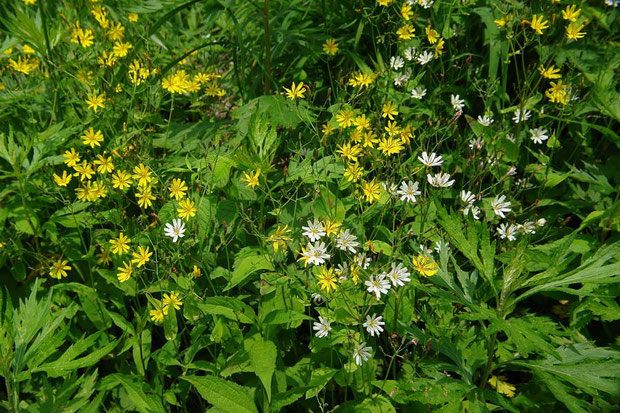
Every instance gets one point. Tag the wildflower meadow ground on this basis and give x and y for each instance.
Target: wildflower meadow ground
(309, 205)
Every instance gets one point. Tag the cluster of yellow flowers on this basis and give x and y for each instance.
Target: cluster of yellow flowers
(539, 24)
(163, 307)
(180, 82)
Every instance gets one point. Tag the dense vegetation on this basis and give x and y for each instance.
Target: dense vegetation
(309, 205)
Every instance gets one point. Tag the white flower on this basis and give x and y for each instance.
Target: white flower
(362, 261)
(390, 188)
(506, 231)
(440, 180)
(315, 230)
(347, 241)
(528, 227)
(541, 222)
(397, 62)
(512, 171)
(538, 135)
(317, 298)
(430, 160)
(426, 3)
(317, 253)
(378, 285)
(373, 324)
(457, 103)
(175, 230)
(322, 327)
(476, 143)
(342, 270)
(361, 353)
(467, 197)
(440, 245)
(425, 251)
(418, 93)
(511, 137)
(521, 117)
(424, 58)
(398, 275)
(500, 206)
(485, 120)
(402, 78)
(408, 191)
(475, 211)
(410, 53)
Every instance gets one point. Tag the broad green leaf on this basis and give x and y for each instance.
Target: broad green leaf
(223, 394)
(228, 307)
(245, 266)
(262, 354)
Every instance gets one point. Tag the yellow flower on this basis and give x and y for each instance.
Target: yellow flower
(145, 197)
(296, 91)
(157, 315)
(106, 59)
(424, 265)
(279, 238)
(385, 3)
(120, 245)
(392, 128)
(502, 386)
(103, 164)
(251, 179)
(501, 22)
(327, 129)
(121, 49)
(390, 146)
(83, 37)
(62, 180)
(327, 280)
(99, 190)
(439, 47)
(176, 83)
(573, 31)
(345, 118)
(550, 73)
(369, 139)
(59, 269)
(142, 256)
(569, 13)
(92, 138)
(124, 272)
(349, 152)
(389, 110)
(24, 66)
(196, 272)
(133, 17)
(406, 32)
(142, 174)
(371, 190)
(29, 2)
(406, 12)
(538, 24)
(431, 35)
(177, 189)
(331, 227)
(186, 209)
(104, 256)
(121, 180)
(406, 134)
(85, 193)
(558, 92)
(362, 79)
(353, 172)
(172, 300)
(71, 157)
(95, 101)
(84, 170)
(115, 32)
(330, 47)
(361, 122)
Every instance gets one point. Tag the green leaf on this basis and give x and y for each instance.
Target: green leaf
(133, 386)
(262, 354)
(229, 307)
(223, 394)
(246, 265)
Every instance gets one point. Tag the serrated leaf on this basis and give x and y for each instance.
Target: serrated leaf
(262, 354)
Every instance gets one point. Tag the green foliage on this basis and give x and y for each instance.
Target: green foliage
(258, 220)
